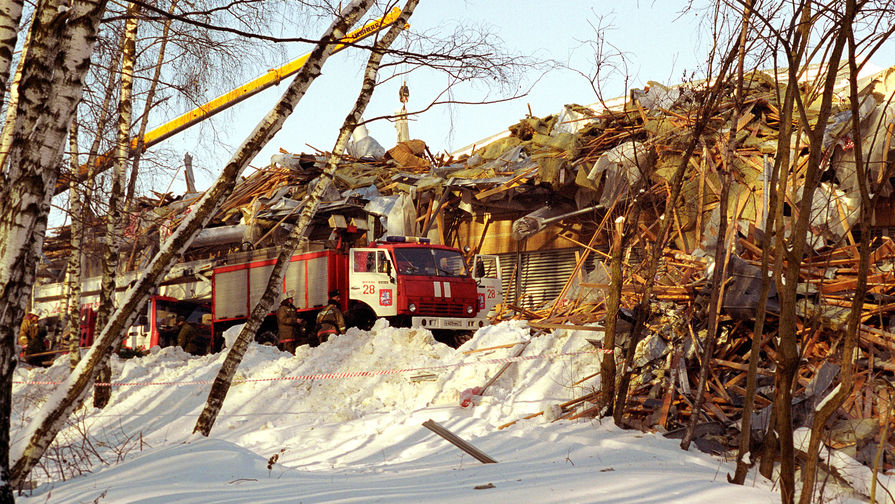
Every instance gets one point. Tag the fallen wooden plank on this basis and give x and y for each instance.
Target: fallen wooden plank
(741, 367)
(504, 367)
(527, 417)
(547, 325)
(508, 345)
(459, 443)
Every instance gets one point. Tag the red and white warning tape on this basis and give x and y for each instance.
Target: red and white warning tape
(335, 376)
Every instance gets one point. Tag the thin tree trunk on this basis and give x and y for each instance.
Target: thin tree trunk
(150, 99)
(112, 244)
(721, 245)
(223, 380)
(777, 189)
(846, 373)
(717, 295)
(75, 274)
(50, 89)
(613, 301)
(41, 432)
(787, 352)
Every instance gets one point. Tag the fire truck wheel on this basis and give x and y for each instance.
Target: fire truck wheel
(461, 337)
(361, 317)
(267, 338)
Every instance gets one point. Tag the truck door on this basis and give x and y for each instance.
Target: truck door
(372, 280)
(486, 273)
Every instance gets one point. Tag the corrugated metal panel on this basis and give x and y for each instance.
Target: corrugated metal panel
(311, 290)
(539, 276)
(318, 281)
(258, 278)
(229, 299)
(295, 280)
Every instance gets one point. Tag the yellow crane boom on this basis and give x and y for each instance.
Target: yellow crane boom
(270, 78)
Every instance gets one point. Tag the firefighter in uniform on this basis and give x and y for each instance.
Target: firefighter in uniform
(30, 339)
(288, 325)
(330, 319)
(188, 338)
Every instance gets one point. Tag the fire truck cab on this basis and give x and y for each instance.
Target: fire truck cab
(414, 283)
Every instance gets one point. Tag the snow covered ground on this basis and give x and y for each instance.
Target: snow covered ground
(357, 438)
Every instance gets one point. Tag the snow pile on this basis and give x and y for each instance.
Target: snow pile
(357, 432)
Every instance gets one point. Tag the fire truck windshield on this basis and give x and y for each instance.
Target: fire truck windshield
(430, 262)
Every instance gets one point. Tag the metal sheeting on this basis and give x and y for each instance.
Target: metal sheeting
(258, 278)
(229, 298)
(539, 276)
(310, 290)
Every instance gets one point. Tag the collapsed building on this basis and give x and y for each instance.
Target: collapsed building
(541, 196)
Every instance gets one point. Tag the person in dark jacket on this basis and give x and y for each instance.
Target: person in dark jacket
(189, 338)
(330, 319)
(287, 325)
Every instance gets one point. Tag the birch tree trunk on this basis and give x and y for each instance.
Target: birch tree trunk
(12, 101)
(10, 16)
(52, 416)
(112, 244)
(223, 380)
(73, 323)
(150, 99)
(52, 81)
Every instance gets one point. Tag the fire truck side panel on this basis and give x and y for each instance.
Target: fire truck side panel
(230, 285)
(237, 288)
(258, 277)
(311, 276)
(297, 275)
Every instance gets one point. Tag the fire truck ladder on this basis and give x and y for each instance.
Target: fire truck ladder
(227, 100)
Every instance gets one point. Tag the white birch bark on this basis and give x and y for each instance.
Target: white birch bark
(71, 393)
(147, 107)
(72, 330)
(115, 215)
(10, 16)
(52, 80)
(225, 375)
(12, 102)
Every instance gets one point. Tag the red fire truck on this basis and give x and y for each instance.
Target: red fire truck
(406, 280)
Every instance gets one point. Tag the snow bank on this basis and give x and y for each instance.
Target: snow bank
(358, 423)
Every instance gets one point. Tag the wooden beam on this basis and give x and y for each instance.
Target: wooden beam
(547, 325)
(459, 443)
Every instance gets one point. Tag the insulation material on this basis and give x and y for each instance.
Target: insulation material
(402, 217)
(409, 154)
(363, 146)
(622, 166)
